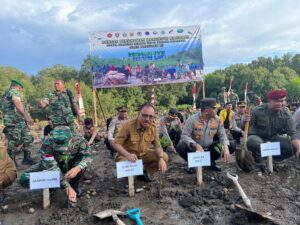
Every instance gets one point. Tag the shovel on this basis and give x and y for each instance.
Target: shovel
(244, 157)
(234, 178)
(111, 213)
(135, 214)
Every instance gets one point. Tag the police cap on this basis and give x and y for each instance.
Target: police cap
(208, 103)
(241, 104)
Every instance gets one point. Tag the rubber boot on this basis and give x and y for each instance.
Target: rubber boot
(27, 159)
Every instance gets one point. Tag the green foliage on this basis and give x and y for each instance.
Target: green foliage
(262, 75)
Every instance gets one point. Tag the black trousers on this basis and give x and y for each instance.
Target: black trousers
(183, 149)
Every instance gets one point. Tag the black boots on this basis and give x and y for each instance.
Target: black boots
(27, 158)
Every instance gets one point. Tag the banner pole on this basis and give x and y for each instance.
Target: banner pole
(203, 88)
(103, 114)
(95, 118)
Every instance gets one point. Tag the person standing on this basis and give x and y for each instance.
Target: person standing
(62, 104)
(16, 120)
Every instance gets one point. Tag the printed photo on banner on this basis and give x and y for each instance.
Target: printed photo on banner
(146, 57)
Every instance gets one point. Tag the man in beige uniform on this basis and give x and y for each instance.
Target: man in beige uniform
(8, 171)
(134, 139)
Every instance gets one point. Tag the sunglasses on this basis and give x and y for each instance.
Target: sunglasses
(146, 116)
(123, 111)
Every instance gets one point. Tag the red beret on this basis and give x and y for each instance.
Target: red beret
(276, 94)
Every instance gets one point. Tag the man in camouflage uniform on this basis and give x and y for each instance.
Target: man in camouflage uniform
(239, 119)
(66, 152)
(222, 97)
(233, 99)
(16, 120)
(199, 132)
(61, 102)
(170, 129)
(269, 123)
(114, 127)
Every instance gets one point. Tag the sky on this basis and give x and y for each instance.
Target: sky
(38, 34)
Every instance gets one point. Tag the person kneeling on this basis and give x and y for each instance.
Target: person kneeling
(134, 139)
(199, 132)
(66, 152)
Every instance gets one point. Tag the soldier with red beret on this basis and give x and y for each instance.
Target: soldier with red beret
(271, 122)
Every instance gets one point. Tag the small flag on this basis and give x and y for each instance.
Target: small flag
(80, 101)
(246, 91)
(194, 90)
(152, 96)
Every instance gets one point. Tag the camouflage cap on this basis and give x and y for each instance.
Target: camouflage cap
(18, 82)
(61, 136)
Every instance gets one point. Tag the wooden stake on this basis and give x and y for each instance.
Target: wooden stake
(95, 118)
(199, 176)
(270, 164)
(46, 198)
(131, 186)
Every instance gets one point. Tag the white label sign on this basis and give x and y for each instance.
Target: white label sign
(44, 179)
(196, 159)
(127, 168)
(270, 148)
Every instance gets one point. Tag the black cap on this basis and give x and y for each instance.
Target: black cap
(173, 111)
(242, 104)
(208, 102)
(121, 108)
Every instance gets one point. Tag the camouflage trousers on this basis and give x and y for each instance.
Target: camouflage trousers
(16, 137)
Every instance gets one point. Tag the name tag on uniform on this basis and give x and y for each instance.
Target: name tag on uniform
(127, 168)
(197, 159)
(270, 148)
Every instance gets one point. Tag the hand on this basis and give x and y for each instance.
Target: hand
(71, 193)
(243, 133)
(72, 172)
(80, 120)
(226, 154)
(172, 148)
(162, 165)
(42, 104)
(29, 120)
(199, 148)
(247, 118)
(132, 158)
(3, 141)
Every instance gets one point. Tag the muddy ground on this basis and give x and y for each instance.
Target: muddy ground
(183, 202)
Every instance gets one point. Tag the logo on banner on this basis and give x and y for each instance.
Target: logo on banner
(131, 34)
(117, 35)
(139, 33)
(124, 35)
(147, 33)
(179, 31)
(109, 35)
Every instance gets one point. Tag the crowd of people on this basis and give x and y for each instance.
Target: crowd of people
(217, 127)
(107, 75)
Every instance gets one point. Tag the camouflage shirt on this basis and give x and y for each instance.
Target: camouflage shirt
(60, 108)
(166, 124)
(11, 116)
(78, 153)
(267, 123)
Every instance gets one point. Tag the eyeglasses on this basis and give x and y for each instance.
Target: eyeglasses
(146, 116)
(123, 111)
